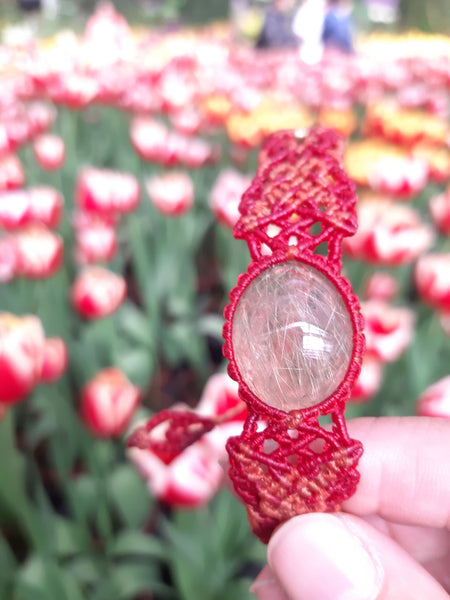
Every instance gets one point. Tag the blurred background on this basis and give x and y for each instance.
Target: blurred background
(129, 131)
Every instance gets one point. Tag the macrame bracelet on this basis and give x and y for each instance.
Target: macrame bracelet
(293, 338)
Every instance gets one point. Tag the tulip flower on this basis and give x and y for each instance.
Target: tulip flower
(95, 239)
(8, 258)
(49, 152)
(435, 400)
(440, 211)
(106, 192)
(401, 177)
(388, 330)
(39, 252)
(388, 234)
(14, 209)
(12, 175)
(187, 120)
(97, 293)
(75, 89)
(149, 139)
(369, 380)
(172, 193)
(432, 279)
(108, 403)
(192, 477)
(381, 286)
(226, 195)
(21, 355)
(55, 359)
(40, 117)
(46, 206)
(190, 481)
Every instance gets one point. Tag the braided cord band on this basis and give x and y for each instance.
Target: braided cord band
(293, 217)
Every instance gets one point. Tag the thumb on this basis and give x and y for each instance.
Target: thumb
(341, 557)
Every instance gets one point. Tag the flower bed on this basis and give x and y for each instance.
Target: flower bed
(123, 158)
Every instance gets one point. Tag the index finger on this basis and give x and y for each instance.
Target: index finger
(405, 470)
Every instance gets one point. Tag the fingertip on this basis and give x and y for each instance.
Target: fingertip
(315, 556)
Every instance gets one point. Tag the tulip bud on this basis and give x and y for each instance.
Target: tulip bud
(46, 206)
(108, 402)
(388, 330)
(226, 196)
(440, 212)
(12, 175)
(171, 193)
(95, 237)
(97, 293)
(49, 152)
(435, 400)
(369, 380)
(55, 360)
(39, 252)
(107, 192)
(21, 355)
(381, 286)
(432, 278)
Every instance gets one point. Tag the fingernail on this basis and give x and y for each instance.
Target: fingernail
(318, 557)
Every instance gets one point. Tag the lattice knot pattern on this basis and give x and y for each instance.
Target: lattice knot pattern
(293, 333)
(293, 338)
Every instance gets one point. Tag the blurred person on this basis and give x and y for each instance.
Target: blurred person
(308, 28)
(338, 26)
(277, 29)
(29, 5)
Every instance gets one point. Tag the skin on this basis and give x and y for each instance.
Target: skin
(392, 539)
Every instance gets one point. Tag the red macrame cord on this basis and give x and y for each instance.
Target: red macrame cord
(286, 463)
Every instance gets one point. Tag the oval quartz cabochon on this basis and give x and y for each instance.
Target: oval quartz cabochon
(292, 336)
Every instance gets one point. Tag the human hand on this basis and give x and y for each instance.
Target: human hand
(392, 540)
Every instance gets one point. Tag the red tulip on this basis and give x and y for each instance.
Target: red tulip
(194, 476)
(49, 152)
(189, 481)
(41, 204)
(149, 139)
(440, 211)
(432, 278)
(96, 239)
(108, 402)
(369, 380)
(74, 89)
(55, 360)
(107, 192)
(172, 193)
(39, 252)
(155, 143)
(226, 195)
(381, 286)
(12, 175)
(401, 177)
(21, 355)
(97, 293)
(435, 400)
(40, 117)
(46, 206)
(187, 120)
(388, 330)
(14, 209)
(388, 234)
(219, 398)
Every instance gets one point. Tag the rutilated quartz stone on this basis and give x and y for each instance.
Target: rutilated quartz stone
(292, 336)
